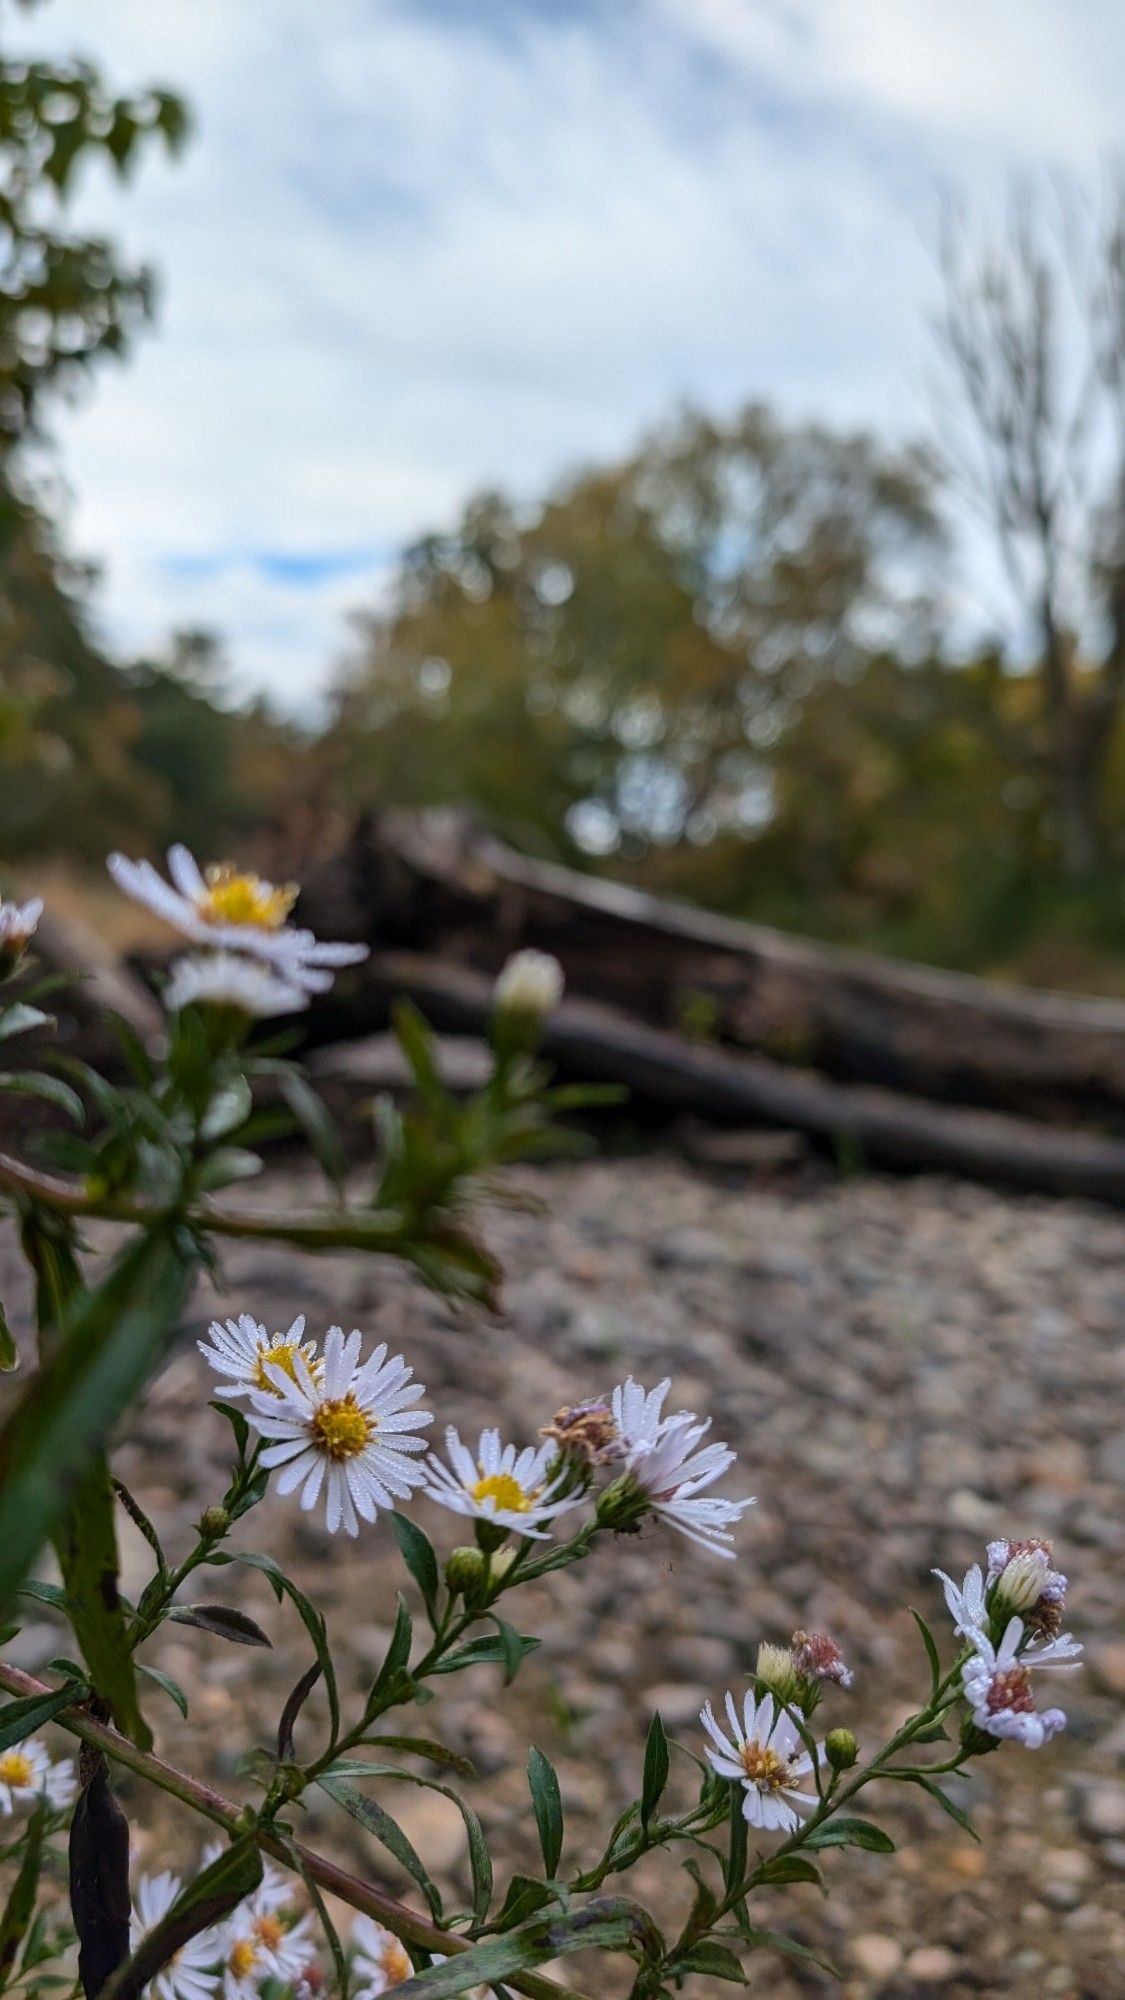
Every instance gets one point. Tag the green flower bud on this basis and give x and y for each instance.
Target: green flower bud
(491, 1535)
(774, 1669)
(464, 1571)
(213, 1523)
(841, 1749)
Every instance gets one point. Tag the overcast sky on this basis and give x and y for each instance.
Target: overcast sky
(420, 246)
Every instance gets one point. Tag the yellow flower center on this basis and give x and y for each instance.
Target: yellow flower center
(243, 1957)
(268, 1932)
(763, 1767)
(232, 897)
(395, 1965)
(281, 1355)
(16, 1770)
(507, 1492)
(341, 1428)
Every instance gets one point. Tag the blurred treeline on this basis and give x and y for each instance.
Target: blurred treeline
(727, 667)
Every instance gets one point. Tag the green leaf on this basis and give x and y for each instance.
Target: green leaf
(418, 1554)
(734, 1871)
(316, 1122)
(21, 1899)
(788, 1946)
(714, 1959)
(384, 1829)
(525, 1896)
(223, 1621)
(49, 1089)
(86, 1545)
(206, 1901)
(608, 1924)
(425, 1746)
(225, 1166)
(790, 1868)
(850, 1833)
(396, 1660)
(941, 1797)
(31, 1711)
(546, 1800)
(9, 1352)
(142, 1523)
(932, 1654)
(112, 1342)
(43, 1593)
(417, 1044)
(162, 1680)
(655, 1770)
(229, 1108)
(480, 1861)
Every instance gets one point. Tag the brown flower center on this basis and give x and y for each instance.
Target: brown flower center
(1010, 1690)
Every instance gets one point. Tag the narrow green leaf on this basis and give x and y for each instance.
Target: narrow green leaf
(20, 1905)
(932, 1654)
(142, 1523)
(418, 1554)
(396, 1660)
(21, 1718)
(791, 1868)
(283, 1586)
(546, 1800)
(655, 1770)
(425, 1746)
(384, 1829)
(609, 1924)
(714, 1959)
(19, 1019)
(86, 1545)
(162, 1680)
(292, 1710)
(480, 1861)
(525, 1896)
(788, 1946)
(223, 1621)
(941, 1797)
(850, 1833)
(48, 1089)
(112, 1343)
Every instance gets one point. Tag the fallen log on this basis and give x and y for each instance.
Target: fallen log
(434, 883)
(863, 1125)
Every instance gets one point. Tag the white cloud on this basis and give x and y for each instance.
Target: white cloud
(406, 255)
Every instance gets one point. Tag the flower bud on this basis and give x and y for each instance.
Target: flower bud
(621, 1506)
(841, 1749)
(530, 983)
(464, 1571)
(491, 1535)
(213, 1523)
(17, 928)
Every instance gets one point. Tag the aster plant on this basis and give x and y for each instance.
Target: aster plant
(320, 1420)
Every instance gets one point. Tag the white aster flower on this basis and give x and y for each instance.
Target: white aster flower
(966, 1605)
(530, 983)
(346, 1429)
(381, 1960)
(27, 1773)
(765, 1755)
(509, 1488)
(245, 1354)
(190, 1973)
(997, 1686)
(18, 923)
(226, 979)
(234, 911)
(256, 1945)
(662, 1456)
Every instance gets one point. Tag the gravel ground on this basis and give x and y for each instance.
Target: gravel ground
(906, 1368)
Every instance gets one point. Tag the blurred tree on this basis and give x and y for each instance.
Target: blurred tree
(1033, 332)
(612, 675)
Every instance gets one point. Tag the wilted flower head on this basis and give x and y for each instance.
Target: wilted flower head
(500, 1486)
(346, 1429)
(27, 1773)
(667, 1468)
(246, 1355)
(530, 983)
(765, 1755)
(189, 1973)
(997, 1685)
(816, 1657)
(18, 922)
(236, 911)
(586, 1432)
(225, 979)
